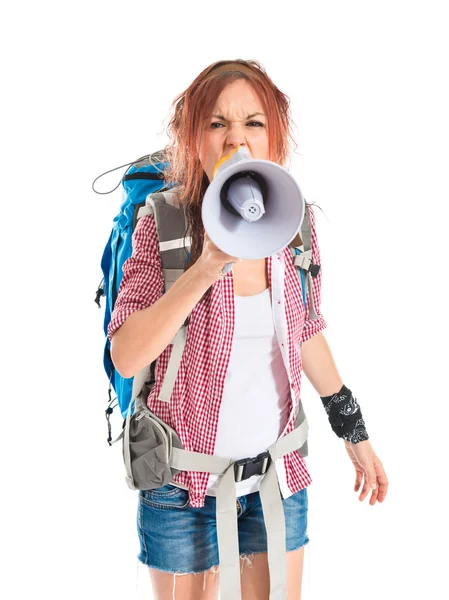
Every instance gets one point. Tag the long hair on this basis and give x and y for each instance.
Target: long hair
(192, 108)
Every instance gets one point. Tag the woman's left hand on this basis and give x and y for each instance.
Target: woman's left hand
(368, 467)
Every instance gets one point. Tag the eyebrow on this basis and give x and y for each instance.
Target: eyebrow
(221, 117)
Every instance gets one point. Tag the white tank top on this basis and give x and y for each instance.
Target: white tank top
(254, 408)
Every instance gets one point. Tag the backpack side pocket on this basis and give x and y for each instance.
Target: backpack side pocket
(150, 452)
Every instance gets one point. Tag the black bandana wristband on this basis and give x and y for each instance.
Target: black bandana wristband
(345, 416)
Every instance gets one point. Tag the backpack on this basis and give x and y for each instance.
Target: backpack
(145, 191)
(142, 178)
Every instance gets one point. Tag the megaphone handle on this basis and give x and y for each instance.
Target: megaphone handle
(227, 268)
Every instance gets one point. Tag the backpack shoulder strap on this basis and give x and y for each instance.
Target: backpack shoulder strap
(171, 225)
(301, 250)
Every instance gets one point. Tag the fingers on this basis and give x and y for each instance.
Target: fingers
(380, 479)
(365, 489)
(358, 480)
(214, 249)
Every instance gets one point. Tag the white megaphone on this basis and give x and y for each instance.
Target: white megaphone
(252, 208)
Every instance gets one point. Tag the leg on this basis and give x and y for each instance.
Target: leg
(201, 586)
(256, 579)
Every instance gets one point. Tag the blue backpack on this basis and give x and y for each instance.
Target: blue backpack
(143, 178)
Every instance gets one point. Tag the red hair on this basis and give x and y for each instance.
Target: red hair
(193, 107)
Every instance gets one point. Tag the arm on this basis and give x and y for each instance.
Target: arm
(147, 332)
(317, 361)
(145, 320)
(319, 366)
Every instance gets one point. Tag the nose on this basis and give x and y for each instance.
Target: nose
(236, 136)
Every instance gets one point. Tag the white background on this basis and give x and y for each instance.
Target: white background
(87, 87)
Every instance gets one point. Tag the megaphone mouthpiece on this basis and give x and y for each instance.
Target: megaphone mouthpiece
(245, 196)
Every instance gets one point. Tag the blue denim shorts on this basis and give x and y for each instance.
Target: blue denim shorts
(176, 538)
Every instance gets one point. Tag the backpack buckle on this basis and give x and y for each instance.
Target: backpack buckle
(314, 270)
(247, 467)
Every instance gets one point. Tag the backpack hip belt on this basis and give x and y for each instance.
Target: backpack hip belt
(178, 459)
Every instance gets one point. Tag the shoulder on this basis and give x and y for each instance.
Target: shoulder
(145, 232)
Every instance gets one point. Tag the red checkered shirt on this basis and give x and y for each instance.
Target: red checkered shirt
(194, 406)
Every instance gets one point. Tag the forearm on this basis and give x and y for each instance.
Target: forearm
(319, 366)
(147, 332)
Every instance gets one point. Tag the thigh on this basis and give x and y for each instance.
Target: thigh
(253, 545)
(255, 576)
(252, 531)
(200, 586)
(174, 537)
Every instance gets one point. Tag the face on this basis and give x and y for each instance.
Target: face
(237, 119)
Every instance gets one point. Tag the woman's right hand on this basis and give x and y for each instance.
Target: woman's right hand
(212, 259)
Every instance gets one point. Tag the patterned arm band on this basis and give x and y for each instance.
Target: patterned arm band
(345, 416)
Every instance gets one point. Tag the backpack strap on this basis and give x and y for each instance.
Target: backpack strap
(171, 225)
(301, 250)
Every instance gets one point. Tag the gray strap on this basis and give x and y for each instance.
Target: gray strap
(179, 342)
(175, 244)
(273, 514)
(312, 311)
(184, 460)
(306, 234)
(127, 454)
(171, 276)
(144, 210)
(138, 383)
(228, 537)
(306, 230)
(226, 515)
(303, 260)
(292, 441)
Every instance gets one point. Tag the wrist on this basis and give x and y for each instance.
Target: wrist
(201, 275)
(345, 416)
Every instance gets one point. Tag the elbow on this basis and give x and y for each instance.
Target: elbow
(120, 358)
(125, 359)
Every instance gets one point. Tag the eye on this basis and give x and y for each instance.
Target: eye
(258, 123)
(215, 123)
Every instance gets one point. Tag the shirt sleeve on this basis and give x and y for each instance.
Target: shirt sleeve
(312, 327)
(142, 280)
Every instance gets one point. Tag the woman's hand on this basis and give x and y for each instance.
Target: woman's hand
(367, 466)
(212, 259)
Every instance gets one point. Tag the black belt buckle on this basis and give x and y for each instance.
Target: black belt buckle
(247, 467)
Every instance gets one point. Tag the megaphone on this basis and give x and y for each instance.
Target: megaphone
(252, 208)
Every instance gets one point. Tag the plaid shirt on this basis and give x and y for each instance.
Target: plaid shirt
(194, 406)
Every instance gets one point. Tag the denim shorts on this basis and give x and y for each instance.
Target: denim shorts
(176, 538)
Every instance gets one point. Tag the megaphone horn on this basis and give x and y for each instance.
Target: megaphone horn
(252, 208)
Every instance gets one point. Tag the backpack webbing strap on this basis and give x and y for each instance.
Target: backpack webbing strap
(143, 211)
(303, 260)
(226, 515)
(171, 373)
(171, 225)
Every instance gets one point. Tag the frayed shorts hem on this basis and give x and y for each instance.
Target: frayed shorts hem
(177, 572)
(243, 556)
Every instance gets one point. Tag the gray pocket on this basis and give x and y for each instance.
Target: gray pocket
(150, 445)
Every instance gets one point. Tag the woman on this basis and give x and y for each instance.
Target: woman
(221, 403)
